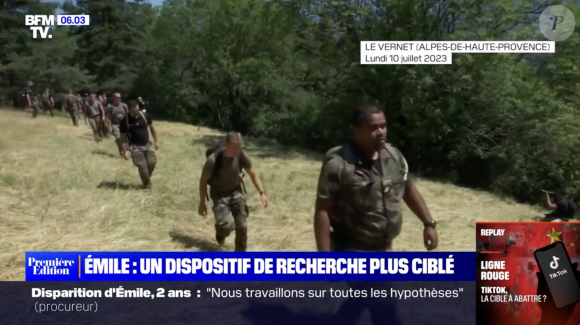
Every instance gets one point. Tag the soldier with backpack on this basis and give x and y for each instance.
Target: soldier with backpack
(223, 173)
(117, 111)
(134, 129)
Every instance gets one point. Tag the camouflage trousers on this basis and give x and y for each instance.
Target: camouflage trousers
(35, 108)
(95, 123)
(48, 108)
(105, 128)
(144, 159)
(74, 116)
(116, 132)
(226, 223)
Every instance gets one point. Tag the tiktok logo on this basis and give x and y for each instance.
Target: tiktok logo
(554, 263)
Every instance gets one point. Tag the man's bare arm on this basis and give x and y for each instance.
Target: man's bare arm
(416, 203)
(103, 114)
(203, 182)
(153, 133)
(205, 177)
(549, 203)
(255, 179)
(123, 139)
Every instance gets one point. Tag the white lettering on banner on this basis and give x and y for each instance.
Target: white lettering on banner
(253, 266)
(107, 265)
(57, 266)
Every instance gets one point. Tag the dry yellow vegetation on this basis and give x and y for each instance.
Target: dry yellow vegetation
(61, 191)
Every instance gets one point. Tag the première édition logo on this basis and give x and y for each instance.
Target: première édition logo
(56, 266)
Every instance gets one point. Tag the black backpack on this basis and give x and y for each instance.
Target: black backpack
(218, 150)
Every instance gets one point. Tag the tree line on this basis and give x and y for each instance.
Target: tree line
(289, 71)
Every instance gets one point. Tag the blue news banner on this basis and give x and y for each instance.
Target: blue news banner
(242, 288)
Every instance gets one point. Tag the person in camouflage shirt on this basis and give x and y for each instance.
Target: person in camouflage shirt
(74, 106)
(117, 111)
(30, 100)
(360, 188)
(47, 102)
(106, 120)
(94, 113)
(358, 208)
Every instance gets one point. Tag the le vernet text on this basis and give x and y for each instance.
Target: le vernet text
(269, 265)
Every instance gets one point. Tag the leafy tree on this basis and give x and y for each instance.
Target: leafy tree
(290, 71)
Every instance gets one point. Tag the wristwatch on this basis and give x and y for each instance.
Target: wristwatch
(432, 224)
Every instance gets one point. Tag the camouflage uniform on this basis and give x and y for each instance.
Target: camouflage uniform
(117, 114)
(105, 121)
(227, 196)
(33, 101)
(46, 103)
(72, 105)
(367, 215)
(82, 106)
(94, 117)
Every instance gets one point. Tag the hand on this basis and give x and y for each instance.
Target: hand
(126, 154)
(550, 313)
(264, 199)
(430, 238)
(156, 146)
(202, 209)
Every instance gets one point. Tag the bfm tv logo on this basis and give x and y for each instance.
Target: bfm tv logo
(57, 266)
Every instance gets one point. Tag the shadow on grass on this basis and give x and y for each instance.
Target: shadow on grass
(103, 153)
(189, 241)
(266, 314)
(114, 185)
(261, 148)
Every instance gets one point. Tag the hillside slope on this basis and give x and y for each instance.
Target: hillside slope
(52, 196)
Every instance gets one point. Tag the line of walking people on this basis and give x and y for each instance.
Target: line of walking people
(360, 187)
(128, 123)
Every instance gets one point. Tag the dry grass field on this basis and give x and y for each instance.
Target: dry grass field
(61, 191)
